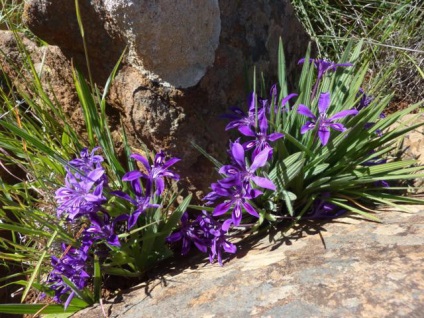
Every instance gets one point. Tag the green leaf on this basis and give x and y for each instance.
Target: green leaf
(316, 170)
(37, 267)
(353, 209)
(97, 280)
(384, 168)
(282, 70)
(117, 271)
(175, 217)
(82, 294)
(22, 309)
(215, 162)
(288, 197)
(285, 171)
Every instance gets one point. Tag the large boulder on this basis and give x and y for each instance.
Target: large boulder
(175, 43)
(185, 64)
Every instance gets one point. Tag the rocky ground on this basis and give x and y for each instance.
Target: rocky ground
(346, 268)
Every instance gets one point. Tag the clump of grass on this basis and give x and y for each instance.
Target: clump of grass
(392, 32)
(11, 15)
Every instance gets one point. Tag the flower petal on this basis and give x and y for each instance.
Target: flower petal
(113, 240)
(132, 175)
(260, 159)
(247, 131)
(305, 111)
(343, 113)
(170, 162)
(132, 221)
(222, 208)
(249, 209)
(201, 246)
(237, 151)
(324, 135)
(263, 122)
(236, 215)
(174, 237)
(160, 186)
(275, 136)
(338, 126)
(264, 183)
(227, 224)
(229, 247)
(308, 126)
(324, 102)
(286, 99)
(143, 160)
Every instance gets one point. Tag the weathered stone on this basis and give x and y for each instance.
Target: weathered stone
(56, 23)
(412, 145)
(346, 268)
(174, 43)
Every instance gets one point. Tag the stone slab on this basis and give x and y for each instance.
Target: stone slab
(349, 267)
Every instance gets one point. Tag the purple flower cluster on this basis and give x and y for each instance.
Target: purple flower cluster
(205, 233)
(242, 180)
(82, 199)
(83, 190)
(72, 265)
(154, 184)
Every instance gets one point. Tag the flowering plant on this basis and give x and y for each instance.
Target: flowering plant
(290, 161)
(122, 232)
(314, 154)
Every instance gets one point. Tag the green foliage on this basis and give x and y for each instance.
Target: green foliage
(304, 170)
(391, 30)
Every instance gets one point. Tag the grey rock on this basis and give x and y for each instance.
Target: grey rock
(169, 42)
(346, 268)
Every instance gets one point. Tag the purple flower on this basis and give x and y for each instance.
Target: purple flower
(323, 66)
(239, 169)
(238, 200)
(81, 195)
(321, 209)
(87, 161)
(206, 233)
(284, 102)
(262, 138)
(141, 201)
(364, 101)
(322, 122)
(101, 228)
(220, 243)
(156, 172)
(189, 232)
(215, 236)
(240, 119)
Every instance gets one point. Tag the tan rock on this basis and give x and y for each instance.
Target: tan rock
(343, 268)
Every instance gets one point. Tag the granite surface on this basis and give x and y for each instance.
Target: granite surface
(349, 267)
